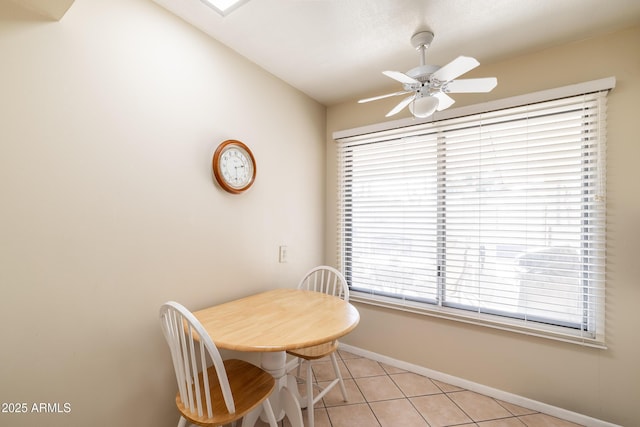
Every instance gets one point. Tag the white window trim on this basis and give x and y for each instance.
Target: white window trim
(390, 128)
(395, 126)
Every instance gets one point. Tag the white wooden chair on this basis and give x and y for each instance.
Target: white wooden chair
(222, 393)
(330, 281)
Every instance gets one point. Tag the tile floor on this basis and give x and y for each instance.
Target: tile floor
(384, 396)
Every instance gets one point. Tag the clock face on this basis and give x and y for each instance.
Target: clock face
(234, 166)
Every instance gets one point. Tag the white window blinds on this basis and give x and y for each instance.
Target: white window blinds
(498, 216)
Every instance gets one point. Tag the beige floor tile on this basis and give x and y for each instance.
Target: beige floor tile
(358, 415)
(446, 387)
(378, 388)
(415, 385)
(334, 396)
(323, 371)
(364, 368)
(478, 406)
(346, 355)
(384, 396)
(320, 418)
(394, 413)
(543, 420)
(504, 422)
(391, 369)
(515, 409)
(439, 410)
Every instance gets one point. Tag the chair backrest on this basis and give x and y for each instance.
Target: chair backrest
(192, 349)
(327, 280)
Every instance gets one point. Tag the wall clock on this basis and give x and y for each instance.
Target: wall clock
(234, 166)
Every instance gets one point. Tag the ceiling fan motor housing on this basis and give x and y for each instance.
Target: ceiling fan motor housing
(422, 72)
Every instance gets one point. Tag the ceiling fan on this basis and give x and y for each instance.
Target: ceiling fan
(430, 84)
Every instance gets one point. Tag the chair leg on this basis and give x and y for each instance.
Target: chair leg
(292, 364)
(310, 405)
(182, 422)
(299, 365)
(336, 368)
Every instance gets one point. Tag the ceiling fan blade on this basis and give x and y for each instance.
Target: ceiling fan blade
(455, 68)
(375, 98)
(445, 101)
(485, 84)
(400, 77)
(401, 105)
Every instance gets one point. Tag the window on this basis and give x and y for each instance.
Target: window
(496, 218)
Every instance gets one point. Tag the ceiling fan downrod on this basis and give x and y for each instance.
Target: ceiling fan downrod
(421, 41)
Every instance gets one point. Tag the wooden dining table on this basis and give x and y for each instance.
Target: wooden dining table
(273, 322)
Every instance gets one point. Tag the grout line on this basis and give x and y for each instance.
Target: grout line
(407, 398)
(491, 392)
(386, 373)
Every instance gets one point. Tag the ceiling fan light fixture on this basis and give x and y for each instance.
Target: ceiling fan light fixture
(424, 106)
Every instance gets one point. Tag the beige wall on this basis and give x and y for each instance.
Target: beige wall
(604, 384)
(108, 123)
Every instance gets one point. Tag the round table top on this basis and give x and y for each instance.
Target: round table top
(278, 320)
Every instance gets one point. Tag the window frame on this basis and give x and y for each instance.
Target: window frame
(412, 127)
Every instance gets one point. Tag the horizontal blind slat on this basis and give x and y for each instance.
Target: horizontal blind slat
(500, 212)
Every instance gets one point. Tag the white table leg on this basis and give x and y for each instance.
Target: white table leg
(291, 407)
(283, 400)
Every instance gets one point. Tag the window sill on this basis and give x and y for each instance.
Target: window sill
(480, 319)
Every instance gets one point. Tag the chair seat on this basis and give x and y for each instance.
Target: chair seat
(316, 351)
(330, 281)
(249, 385)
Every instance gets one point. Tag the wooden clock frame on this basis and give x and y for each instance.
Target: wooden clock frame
(217, 173)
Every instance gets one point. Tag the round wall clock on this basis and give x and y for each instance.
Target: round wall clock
(234, 166)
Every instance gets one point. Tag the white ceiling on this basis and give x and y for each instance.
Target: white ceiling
(335, 50)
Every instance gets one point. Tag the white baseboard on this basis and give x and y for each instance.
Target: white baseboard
(482, 389)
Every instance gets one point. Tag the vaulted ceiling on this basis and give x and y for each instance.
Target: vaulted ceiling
(336, 50)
